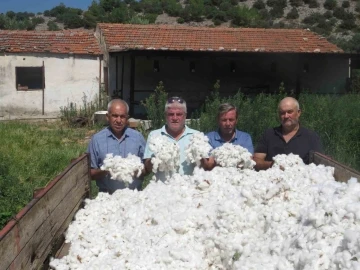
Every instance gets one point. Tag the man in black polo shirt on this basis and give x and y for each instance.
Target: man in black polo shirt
(288, 138)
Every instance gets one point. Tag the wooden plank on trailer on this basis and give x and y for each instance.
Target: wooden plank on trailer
(52, 210)
(8, 248)
(45, 216)
(342, 173)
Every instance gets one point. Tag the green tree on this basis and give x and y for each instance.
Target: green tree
(71, 20)
(58, 10)
(109, 5)
(152, 6)
(119, 14)
(245, 17)
(194, 11)
(293, 14)
(172, 7)
(330, 4)
(89, 20)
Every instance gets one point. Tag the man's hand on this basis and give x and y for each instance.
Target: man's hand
(261, 163)
(97, 174)
(208, 163)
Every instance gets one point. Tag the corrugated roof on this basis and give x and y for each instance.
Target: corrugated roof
(122, 37)
(62, 42)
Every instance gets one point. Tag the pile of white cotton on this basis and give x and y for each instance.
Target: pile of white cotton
(123, 169)
(166, 154)
(230, 155)
(198, 148)
(296, 217)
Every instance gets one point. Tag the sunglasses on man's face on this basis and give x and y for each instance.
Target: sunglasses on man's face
(175, 99)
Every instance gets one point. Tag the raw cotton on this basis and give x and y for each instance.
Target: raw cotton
(198, 148)
(166, 154)
(296, 217)
(230, 155)
(123, 169)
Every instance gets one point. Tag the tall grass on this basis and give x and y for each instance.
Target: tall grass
(31, 155)
(80, 115)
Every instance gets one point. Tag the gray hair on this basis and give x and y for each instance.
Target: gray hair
(117, 101)
(226, 107)
(291, 99)
(177, 105)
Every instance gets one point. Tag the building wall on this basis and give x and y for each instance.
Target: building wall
(67, 79)
(251, 73)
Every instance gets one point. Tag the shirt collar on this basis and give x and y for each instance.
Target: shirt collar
(217, 136)
(186, 131)
(278, 131)
(111, 134)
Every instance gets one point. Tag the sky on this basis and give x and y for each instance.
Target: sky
(39, 5)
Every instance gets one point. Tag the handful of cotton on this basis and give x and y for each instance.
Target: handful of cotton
(285, 161)
(198, 148)
(166, 154)
(123, 169)
(230, 155)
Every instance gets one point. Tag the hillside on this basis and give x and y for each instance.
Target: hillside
(337, 20)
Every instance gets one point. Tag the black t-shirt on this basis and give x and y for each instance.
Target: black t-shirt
(272, 143)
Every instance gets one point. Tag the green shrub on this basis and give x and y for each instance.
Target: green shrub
(172, 7)
(243, 16)
(293, 14)
(313, 4)
(259, 4)
(346, 4)
(155, 106)
(52, 26)
(277, 12)
(296, 3)
(277, 3)
(328, 14)
(180, 20)
(330, 4)
(313, 18)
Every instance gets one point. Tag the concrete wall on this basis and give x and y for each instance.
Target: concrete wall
(67, 79)
(254, 72)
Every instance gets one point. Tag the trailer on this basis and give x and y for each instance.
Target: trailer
(36, 233)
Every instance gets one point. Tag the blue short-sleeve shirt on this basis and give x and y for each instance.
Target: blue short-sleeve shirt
(105, 142)
(241, 138)
(183, 142)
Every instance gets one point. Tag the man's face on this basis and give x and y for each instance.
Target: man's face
(289, 114)
(117, 118)
(175, 118)
(227, 122)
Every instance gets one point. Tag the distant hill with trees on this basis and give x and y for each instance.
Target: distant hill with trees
(338, 21)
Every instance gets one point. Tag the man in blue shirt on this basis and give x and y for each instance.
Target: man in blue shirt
(118, 139)
(175, 131)
(227, 133)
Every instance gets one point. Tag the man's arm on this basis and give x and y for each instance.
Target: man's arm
(261, 163)
(148, 165)
(98, 174)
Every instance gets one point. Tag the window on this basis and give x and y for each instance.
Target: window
(29, 78)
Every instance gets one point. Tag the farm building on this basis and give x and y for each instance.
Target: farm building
(189, 60)
(43, 71)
